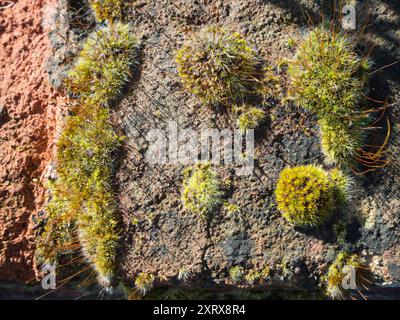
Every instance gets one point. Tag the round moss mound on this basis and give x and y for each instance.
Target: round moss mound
(201, 189)
(327, 76)
(217, 65)
(305, 195)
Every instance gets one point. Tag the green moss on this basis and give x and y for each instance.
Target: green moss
(327, 77)
(236, 274)
(82, 210)
(304, 195)
(336, 273)
(341, 142)
(82, 206)
(144, 282)
(104, 64)
(252, 276)
(217, 65)
(250, 118)
(265, 272)
(110, 10)
(231, 208)
(184, 274)
(342, 184)
(201, 189)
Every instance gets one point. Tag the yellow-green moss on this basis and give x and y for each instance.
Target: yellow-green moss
(304, 195)
(342, 184)
(336, 273)
(104, 64)
(307, 195)
(236, 274)
(82, 207)
(110, 10)
(252, 276)
(231, 208)
(327, 76)
(341, 142)
(201, 189)
(82, 211)
(250, 118)
(218, 66)
(144, 282)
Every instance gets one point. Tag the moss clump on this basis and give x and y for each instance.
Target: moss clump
(144, 282)
(82, 207)
(328, 78)
(250, 118)
(82, 210)
(339, 269)
(104, 65)
(305, 195)
(201, 189)
(110, 10)
(342, 184)
(231, 208)
(184, 274)
(217, 65)
(252, 276)
(236, 274)
(341, 142)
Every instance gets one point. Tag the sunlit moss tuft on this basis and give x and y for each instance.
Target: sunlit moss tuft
(218, 66)
(144, 282)
(236, 274)
(82, 196)
(329, 79)
(342, 184)
(110, 10)
(201, 189)
(327, 76)
(82, 210)
(307, 195)
(341, 142)
(304, 195)
(252, 276)
(250, 118)
(104, 65)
